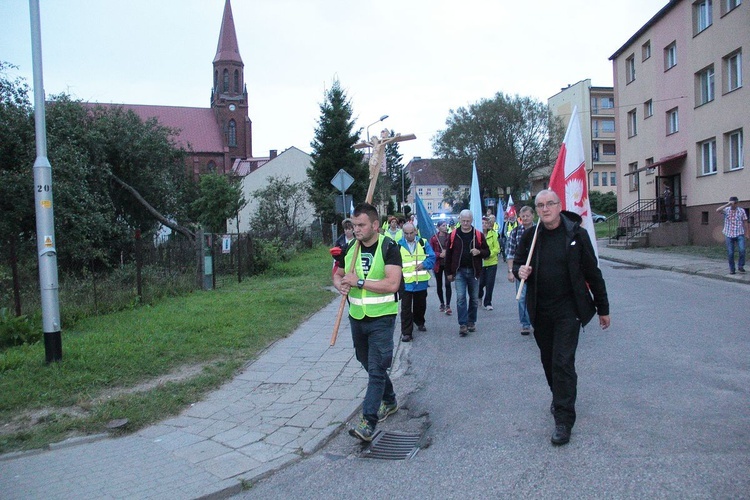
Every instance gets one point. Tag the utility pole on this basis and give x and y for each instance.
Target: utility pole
(45, 216)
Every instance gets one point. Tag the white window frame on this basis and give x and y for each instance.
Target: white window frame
(703, 15)
(630, 69)
(707, 155)
(673, 121)
(733, 71)
(612, 179)
(648, 109)
(632, 123)
(608, 126)
(670, 56)
(646, 50)
(735, 152)
(596, 179)
(729, 5)
(706, 90)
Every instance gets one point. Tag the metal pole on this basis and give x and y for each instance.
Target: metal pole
(403, 192)
(45, 220)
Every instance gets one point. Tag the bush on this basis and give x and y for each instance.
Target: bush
(603, 203)
(16, 330)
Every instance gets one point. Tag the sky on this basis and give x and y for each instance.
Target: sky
(413, 60)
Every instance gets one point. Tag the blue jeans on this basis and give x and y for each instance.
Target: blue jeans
(373, 345)
(740, 249)
(465, 281)
(523, 311)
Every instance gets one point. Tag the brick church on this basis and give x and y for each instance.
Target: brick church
(221, 136)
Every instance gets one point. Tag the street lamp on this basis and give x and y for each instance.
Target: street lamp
(367, 130)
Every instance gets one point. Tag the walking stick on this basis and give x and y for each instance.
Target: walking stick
(528, 261)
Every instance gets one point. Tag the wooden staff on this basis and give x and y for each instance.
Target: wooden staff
(378, 156)
(528, 260)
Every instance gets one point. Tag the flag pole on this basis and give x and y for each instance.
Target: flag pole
(528, 260)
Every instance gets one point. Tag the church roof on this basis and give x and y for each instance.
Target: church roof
(227, 49)
(198, 130)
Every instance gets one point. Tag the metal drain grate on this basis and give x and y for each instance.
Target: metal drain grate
(393, 446)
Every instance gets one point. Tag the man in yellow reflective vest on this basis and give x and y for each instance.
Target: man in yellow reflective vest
(417, 257)
(369, 275)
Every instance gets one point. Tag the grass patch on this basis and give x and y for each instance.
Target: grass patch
(106, 358)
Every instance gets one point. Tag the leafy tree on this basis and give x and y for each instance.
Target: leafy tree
(220, 198)
(603, 203)
(281, 205)
(333, 150)
(508, 136)
(457, 198)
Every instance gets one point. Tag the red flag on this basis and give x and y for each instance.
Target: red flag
(569, 180)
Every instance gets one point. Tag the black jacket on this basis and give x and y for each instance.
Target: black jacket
(585, 275)
(455, 248)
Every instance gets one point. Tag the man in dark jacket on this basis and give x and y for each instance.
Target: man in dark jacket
(563, 269)
(463, 261)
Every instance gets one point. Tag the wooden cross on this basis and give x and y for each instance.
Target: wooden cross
(377, 158)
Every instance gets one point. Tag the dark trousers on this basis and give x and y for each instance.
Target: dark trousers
(413, 308)
(440, 278)
(487, 284)
(373, 346)
(557, 338)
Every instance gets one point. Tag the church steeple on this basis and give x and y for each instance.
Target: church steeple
(229, 94)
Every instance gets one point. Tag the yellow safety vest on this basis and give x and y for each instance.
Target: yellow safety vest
(409, 263)
(363, 303)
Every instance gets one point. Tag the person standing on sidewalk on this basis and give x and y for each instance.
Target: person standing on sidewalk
(371, 291)
(526, 214)
(416, 258)
(439, 242)
(489, 265)
(561, 278)
(463, 259)
(735, 231)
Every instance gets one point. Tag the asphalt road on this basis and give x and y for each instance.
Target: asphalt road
(663, 405)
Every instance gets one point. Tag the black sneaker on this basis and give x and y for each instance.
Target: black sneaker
(463, 330)
(406, 338)
(561, 435)
(472, 327)
(742, 270)
(363, 430)
(421, 328)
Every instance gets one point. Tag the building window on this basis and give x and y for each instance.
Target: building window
(420, 192)
(211, 167)
(596, 178)
(232, 133)
(650, 161)
(429, 206)
(670, 56)
(609, 149)
(646, 50)
(633, 183)
(594, 107)
(728, 5)
(630, 69)
(225, 86)
(702, 15)
(236, 81)
(612, 178)
(607, 103)
(648, 109)
(733, 71)
(704, 218)
(632, 123)
(608, 126)
(707, 155)
(428, 192)
(673, 122)
(595, 151)
(734, 150)
(216, 81)
(704, 80)
(604, 178)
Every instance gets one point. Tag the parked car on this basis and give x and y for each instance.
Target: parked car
(598, 218)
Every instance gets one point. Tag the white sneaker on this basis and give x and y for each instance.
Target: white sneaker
(489, 308)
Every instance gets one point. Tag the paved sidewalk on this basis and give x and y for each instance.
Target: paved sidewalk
(285, 405)
(282, 406)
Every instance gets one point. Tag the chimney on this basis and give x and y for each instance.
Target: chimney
(272, 154)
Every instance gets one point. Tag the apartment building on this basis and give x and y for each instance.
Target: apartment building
(427, 182)
(596, 109)
(683, 112)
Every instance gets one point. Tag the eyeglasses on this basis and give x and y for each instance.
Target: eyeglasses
(549, 204)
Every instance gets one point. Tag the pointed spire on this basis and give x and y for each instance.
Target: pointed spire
(227, 49)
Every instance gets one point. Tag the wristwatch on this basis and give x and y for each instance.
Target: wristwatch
(360, 284)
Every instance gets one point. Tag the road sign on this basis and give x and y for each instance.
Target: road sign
(342, 180)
